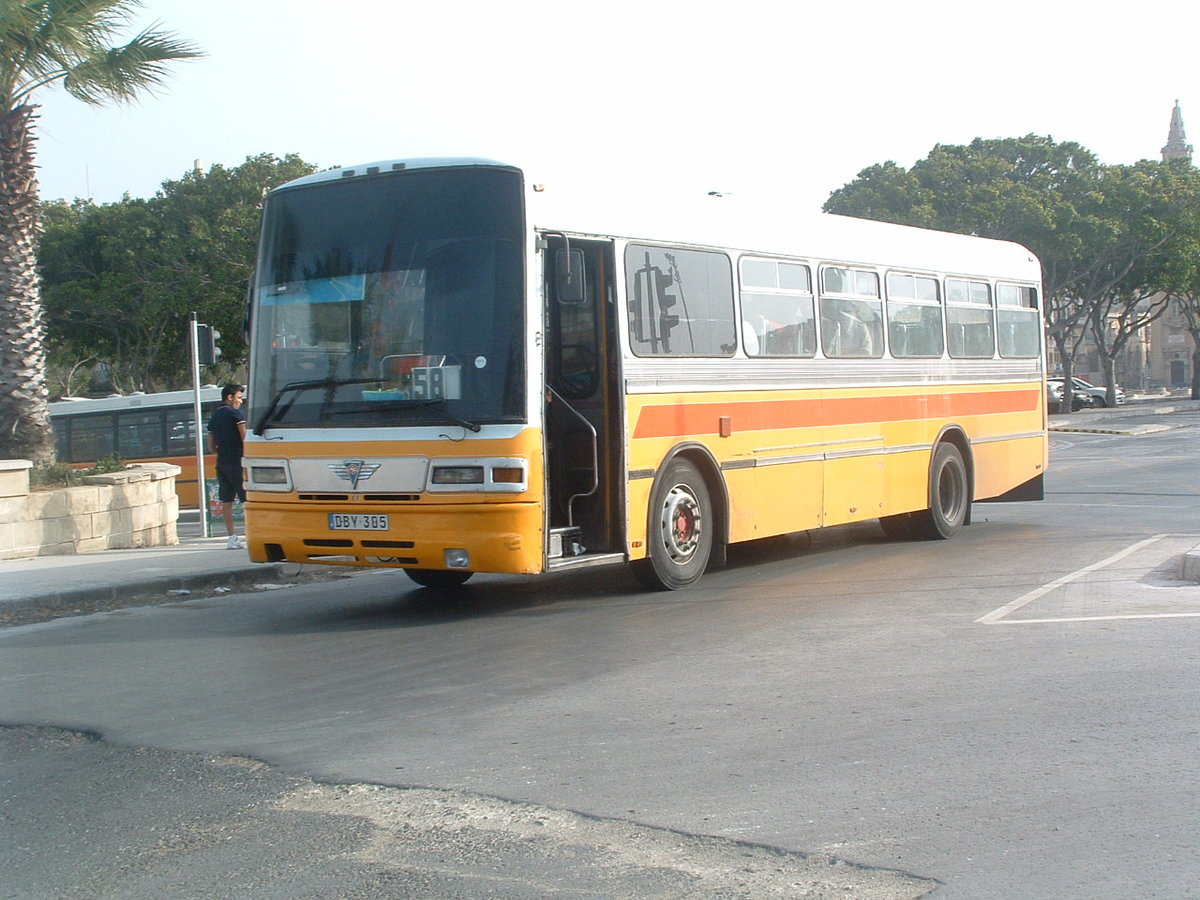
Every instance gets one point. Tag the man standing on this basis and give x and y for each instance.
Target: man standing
(226, 435)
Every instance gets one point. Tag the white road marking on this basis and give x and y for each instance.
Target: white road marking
(1192, 615)
(1000, 616)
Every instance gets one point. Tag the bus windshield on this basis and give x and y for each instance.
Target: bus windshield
(391, 300)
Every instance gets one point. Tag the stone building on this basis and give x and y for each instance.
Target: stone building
(1177, 146)
(1168, 343)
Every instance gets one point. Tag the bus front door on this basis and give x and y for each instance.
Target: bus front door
(582, 412)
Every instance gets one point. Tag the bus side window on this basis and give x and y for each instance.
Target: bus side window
(777, 308)
(680, 302)
(850, 327)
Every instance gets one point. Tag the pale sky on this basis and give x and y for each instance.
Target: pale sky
(752, 98)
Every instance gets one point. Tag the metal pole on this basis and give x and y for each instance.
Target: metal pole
(201, 487)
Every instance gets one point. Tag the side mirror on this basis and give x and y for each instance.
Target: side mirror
(569, 276)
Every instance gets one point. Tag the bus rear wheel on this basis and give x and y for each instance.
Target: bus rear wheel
(438, 578)
(949, 496)
(681, 530)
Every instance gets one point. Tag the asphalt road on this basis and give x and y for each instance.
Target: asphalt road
(1008, 714)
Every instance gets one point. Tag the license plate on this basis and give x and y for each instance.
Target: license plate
(358, 522)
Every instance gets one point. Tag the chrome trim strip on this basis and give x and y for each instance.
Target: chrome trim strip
(910, 448)
(851, 454)
(1016, 436)
(738, 464)
(788, 460)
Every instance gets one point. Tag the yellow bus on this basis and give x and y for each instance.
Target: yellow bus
(456, 370)
(135, 428)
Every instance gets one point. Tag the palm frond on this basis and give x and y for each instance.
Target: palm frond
(44, 41)
(122, 73)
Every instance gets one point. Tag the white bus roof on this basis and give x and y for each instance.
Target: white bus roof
(85, 405)
(754, 227)
(735, 223)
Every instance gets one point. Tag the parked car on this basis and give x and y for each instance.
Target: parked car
(1054, 395)
(1098, 392)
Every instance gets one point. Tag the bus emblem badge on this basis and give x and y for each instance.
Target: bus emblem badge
(354, 470)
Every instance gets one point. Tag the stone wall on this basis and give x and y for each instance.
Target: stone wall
(137, 507)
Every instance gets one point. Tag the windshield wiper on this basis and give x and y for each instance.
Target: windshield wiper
(430, 405)
(296, 388)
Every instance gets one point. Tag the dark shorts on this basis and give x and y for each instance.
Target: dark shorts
(229, 484)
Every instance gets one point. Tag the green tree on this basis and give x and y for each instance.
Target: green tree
(43, 43)
(1188, 304)
(1146, 252)
(122, 278)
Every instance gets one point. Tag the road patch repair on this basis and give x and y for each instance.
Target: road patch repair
(161, 588)
(165, 823)
(1154, 578)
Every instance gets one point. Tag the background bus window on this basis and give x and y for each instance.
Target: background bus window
(851, 324)
(680, 302)
(778, 318)
(92, 438)
(970, 333)
(62, 439)
(914, 316)
(140, 434)
(1018, 321)
(181, 432)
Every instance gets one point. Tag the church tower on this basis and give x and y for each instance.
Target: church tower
(1177, 145)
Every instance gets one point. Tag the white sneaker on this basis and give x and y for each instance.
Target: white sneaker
(235, 543)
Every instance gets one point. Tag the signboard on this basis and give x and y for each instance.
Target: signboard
(216, 522)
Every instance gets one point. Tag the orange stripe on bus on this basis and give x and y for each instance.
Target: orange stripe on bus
(680, 419)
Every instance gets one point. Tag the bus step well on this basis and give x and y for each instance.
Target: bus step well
(566, 542)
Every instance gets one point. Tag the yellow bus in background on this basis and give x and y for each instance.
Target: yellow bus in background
(455, 370)
(135, 428)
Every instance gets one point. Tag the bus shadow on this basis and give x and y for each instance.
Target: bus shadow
(804, 545)
(402, 604)
(484, 597)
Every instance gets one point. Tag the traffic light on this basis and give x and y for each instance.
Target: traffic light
(206, 344)
(666, 320)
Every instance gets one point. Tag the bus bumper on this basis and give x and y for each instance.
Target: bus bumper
(487, 537)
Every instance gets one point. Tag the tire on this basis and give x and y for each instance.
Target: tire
(680, 534)
(438, 578)
(949, 496)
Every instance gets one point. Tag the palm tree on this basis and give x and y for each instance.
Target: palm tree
(43, 43)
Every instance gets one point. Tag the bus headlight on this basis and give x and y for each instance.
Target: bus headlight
(499, 475)
(457, 475)
(267, 475)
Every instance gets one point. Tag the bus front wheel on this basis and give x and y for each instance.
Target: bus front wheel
(681, 524)
(438, 578)
(949, 496)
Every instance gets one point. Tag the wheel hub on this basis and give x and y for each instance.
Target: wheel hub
(682, 524)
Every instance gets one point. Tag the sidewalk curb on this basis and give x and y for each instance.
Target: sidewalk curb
(1136, 429)
(1190, 570)
(85, 600)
